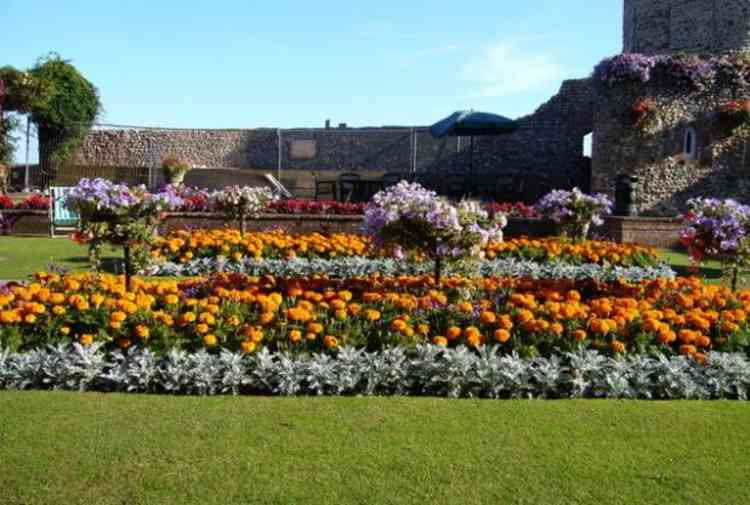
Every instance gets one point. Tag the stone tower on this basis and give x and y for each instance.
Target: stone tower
(695, 26)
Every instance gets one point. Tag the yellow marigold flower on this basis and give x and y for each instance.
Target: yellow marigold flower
(201, 328)
(171, 299)
(474, 340)
(580, 335)
(86, 339)
(372, 315)
(466, 307)
(65, 330)
(29, 318)
(247, 346)
(115, 325)
(58, 310)
(210, 340)
(423, 328)
(295, 335)
(118, 316)
(97, 299)
(256, 335)
(398, 324)
(298, 314)
(341, 314)
(315, 328)
(142, 332)
(310, 336)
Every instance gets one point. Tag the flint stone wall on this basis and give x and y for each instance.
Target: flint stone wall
(668, 178)
(549, 143)
(697, 26)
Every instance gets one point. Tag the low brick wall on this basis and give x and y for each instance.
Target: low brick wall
(29, 222)
(289, 222)
(649, 231)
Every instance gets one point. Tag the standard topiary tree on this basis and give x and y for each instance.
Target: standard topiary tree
(62, 103)
(67, 114)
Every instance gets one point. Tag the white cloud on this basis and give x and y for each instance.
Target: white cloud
(505, 69)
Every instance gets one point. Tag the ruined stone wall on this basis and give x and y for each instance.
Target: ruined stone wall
(698, 26)
(362, 149)
(669, 177)
(549, 142)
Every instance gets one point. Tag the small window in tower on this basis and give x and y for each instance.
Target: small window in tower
(689, 144)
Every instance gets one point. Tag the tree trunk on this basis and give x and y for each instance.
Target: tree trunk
(128, 267)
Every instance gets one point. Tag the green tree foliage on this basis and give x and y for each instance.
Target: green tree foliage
(62, 103)
(70, 109)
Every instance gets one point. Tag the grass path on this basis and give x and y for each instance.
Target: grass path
(80, 448)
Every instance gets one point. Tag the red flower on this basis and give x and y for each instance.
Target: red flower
(6, 202)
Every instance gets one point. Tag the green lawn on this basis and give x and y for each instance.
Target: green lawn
(21, 256)
(73, 448)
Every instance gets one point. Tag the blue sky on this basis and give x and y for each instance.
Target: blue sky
(285, 63)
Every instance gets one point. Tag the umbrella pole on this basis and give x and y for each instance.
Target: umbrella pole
(471, 156)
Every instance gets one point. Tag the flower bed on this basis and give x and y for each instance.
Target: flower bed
(356, 266)
(241, 313)
(426, 370)
(183, 246)
(31, 202)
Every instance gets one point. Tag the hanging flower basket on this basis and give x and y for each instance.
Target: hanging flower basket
(643, 115)
(175, 170)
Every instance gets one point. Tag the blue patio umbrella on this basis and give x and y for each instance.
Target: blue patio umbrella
(470, 123)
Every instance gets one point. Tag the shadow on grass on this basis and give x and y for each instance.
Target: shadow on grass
(704, 273)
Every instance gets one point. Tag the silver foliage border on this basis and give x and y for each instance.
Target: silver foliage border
(424, 371)
(357, 266)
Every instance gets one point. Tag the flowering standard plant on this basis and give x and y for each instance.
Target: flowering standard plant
(116, 214)
(574, 211)
(413, 218)
(190, 199)
(719, 229)
(240, 202)
(175, 170)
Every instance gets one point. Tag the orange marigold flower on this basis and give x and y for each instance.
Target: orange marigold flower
(502, 335)
(330, 342)
(440, 341)
(617, 346)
